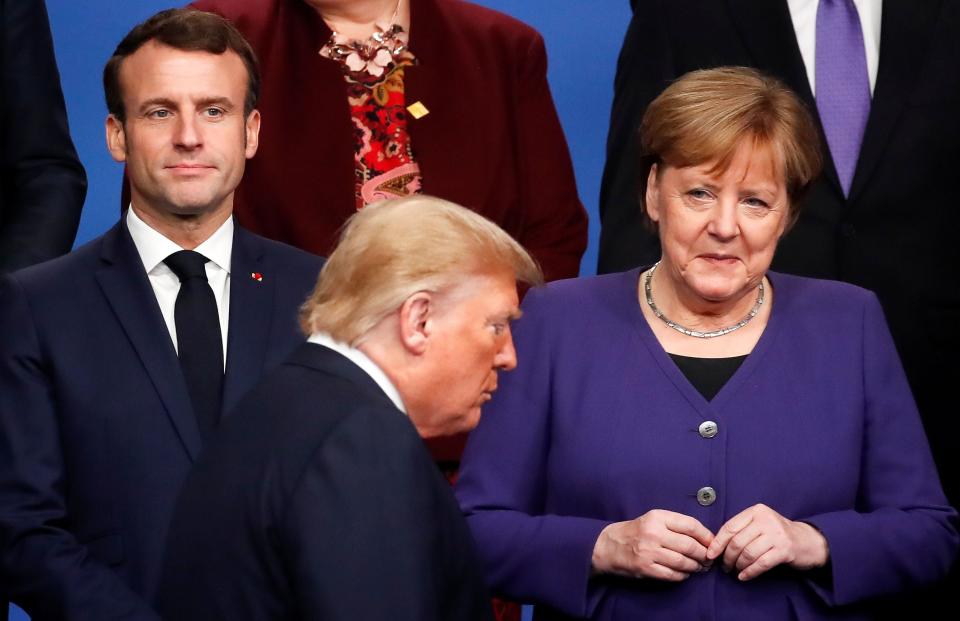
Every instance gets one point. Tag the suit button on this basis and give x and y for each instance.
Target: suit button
(708, 429)
(706, 496)
(847, 229)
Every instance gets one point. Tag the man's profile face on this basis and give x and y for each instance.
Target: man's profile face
(185, 139)
(470, 342)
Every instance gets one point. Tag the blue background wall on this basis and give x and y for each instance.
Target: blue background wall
(582, 36)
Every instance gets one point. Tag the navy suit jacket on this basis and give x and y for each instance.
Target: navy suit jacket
(318, 501)
(96, 427)
(42, 184)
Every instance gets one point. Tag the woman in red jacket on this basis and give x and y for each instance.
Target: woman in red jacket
(371, 99)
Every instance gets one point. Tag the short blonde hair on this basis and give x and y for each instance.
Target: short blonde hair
(706, 115)
(390, 250)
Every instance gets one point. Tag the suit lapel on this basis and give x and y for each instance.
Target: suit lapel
(128, 291)
(766, 30)
(252, 288)
(904, 32)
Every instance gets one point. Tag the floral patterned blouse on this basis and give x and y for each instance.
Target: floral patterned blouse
(384, 161)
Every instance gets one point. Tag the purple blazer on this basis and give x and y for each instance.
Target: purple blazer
(598, 425)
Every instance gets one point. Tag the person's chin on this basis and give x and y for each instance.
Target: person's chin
(193, 203)
(716, 291)
(465, 422)
(472, 419)
(716, 284)
(449, 424)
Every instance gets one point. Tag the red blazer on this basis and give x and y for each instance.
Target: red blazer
(491, 141)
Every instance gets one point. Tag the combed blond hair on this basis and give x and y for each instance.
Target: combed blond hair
(390, 250)
(704, 116)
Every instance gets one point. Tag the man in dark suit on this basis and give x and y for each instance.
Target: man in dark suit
(318, 500)
(112, 358)
(881, 228)
(42, 184)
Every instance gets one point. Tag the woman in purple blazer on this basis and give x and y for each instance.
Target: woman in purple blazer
(705, 439)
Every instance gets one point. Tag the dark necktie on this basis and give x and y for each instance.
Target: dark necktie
(843, 85)
(199, 343)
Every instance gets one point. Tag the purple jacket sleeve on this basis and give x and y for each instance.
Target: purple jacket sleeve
(527, 555)
(902, 533)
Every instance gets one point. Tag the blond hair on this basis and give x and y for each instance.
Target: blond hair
(704, 116)
(390, 250)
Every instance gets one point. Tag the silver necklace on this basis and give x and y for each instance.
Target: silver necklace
(697, 333)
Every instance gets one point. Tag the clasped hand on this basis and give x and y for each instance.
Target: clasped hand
(665, 545)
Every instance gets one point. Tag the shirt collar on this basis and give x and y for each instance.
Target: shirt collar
(153, 247)
(364, 362)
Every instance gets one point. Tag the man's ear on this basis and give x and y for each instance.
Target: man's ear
(116, 138)
(251, 129)
(416, 314)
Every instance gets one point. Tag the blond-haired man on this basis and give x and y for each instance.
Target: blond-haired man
(318, 500)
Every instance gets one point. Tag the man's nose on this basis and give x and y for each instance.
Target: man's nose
(507, 356)
(187, 134)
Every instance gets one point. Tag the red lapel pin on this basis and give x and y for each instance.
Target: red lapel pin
(257, 276)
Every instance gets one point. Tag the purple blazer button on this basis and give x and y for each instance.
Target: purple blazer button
(708, 429)
(706, 496)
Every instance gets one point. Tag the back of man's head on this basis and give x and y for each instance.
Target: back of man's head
(390, 250)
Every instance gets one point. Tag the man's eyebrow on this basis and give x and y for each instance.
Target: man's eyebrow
(511, 315)
(223, 102)
(157, 101)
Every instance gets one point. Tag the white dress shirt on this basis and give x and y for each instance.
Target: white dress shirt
(154, 248)
(804, 16)
(363, 361)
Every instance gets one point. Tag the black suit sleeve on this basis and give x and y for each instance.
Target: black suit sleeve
(42, 184)
(44, 568)
(644, 69)
(371, 509)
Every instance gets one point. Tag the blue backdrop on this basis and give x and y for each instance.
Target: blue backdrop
(582, 36)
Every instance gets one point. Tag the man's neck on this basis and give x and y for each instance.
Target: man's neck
(188, 232)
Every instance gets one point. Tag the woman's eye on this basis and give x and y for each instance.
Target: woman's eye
(755, 202)
(699, 194)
